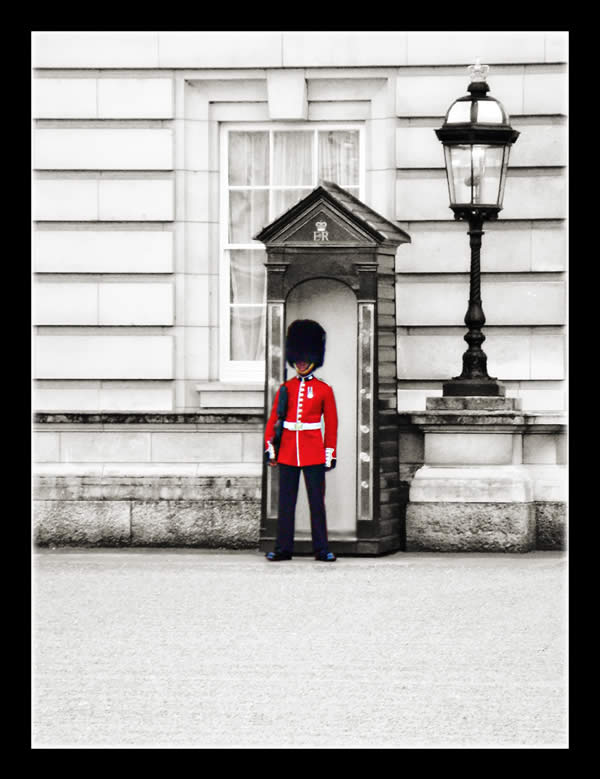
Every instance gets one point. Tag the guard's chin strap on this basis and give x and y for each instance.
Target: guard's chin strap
(308, 371)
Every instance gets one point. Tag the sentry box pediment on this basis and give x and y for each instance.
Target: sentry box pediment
(332, 258)
(331, 216)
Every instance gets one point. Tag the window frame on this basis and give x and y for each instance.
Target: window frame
(252, 371)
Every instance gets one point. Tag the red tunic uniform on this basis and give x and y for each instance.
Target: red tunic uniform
(309, 398)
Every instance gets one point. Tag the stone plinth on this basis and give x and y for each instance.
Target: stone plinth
(477, 489)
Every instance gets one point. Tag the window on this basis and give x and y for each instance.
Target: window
(264, 171)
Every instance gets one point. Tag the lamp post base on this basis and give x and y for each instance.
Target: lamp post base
(468, 387)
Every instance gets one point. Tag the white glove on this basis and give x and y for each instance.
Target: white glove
(328, 457)
(270, 450)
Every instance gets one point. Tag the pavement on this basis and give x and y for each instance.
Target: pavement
(222, 649)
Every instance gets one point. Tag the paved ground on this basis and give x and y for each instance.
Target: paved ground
(198, 648)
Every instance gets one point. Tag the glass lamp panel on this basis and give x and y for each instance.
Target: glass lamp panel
(247, 332)
(248, 213)
(460, 177)
(286, 198)
(503, 177)
(248, 158)
(248, 276)
(292, 158)
(487, 167)
(489, 112)
(338, 157)
(459, 113)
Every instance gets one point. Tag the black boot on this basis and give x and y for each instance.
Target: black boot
(276, 556)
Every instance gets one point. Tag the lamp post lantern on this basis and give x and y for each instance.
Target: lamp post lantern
(477, 137)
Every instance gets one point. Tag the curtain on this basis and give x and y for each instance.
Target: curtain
(247, 332)
(338, 157)
(292, 158)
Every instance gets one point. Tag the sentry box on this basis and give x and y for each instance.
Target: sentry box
(331, 258)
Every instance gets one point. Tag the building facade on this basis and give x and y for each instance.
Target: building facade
(159, 156)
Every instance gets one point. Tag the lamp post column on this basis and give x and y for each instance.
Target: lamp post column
(474, 379)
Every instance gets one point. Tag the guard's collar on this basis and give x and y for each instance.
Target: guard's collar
(306, 378)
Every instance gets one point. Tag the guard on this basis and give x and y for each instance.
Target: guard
(301, 446)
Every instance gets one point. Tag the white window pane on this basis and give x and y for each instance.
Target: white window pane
(248, 213)
(292, 158)
(338, 157)
(248, 276)
(247, 332)
(286, 198)
(248, 158)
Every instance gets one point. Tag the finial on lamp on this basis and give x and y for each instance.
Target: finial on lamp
(478, 71)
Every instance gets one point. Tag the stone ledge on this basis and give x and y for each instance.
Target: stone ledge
(471, 484)
(153, 418)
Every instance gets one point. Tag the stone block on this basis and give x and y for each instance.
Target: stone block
(549, 482)
(197, 447)
(343, 111)
(91, 49)
(470, 527)
(542, 399)
(197, 300)
(81, 523)
(475, 484)
(427, 93)
(136, 304)
(411, 447)
(380, 186)
(539, 448)
(104, 446)
(197, 353)
(252, 447)
(135, 98)
(64, 98)
(428, 357)
(548, 246)
(474, 403)
(94, 251)
(65, 200)
(343, 49)
(218, 395)
(46, 448)
(468, 448)
(103, 357)
(548, 357)
(414, 399)
(535, 194)
(463, 48)
(195, 147)
(422, 197)
(551, 526)
(207, 523)
(122, 200)
(65, 304)
(418, 147)
(136, 396)
(220, 49)
(63, 396)
(433, 301)
(287, 94)
(539, 145)
(557, 46)
(201, 196)
(545, 91)
(112, 149)
(380, 144)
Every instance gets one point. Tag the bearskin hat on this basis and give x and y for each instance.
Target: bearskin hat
(305, 340)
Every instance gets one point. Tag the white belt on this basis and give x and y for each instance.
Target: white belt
(302, 425)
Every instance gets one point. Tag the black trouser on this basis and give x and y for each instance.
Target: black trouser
(289, 478)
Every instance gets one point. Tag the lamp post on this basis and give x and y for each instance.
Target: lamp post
(477, 137)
